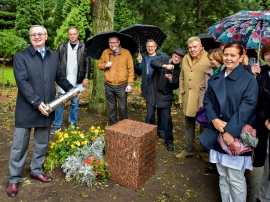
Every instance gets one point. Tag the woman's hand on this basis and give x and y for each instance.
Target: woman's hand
(228, 138)
(219, 124)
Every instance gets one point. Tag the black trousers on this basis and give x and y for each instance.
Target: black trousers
(116, 98)
(166, 120)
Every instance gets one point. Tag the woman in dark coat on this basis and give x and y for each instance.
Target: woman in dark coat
(262, 123)
(230, 103)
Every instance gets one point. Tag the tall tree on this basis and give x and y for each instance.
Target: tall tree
(122, 15)
(29, 13)
(76, 14)
(7, 13)
(103, 21)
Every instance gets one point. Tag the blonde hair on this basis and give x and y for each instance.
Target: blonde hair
(194, 38)
(217, 54)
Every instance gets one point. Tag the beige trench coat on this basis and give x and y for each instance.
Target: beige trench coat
(190, 80)
(204, 85)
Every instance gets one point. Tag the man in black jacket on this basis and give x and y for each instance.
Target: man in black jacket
(159, 92)
(75, 65)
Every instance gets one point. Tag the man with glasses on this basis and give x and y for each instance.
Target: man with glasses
(117, 64)
(143, 67)
(75, 65)
(36, 69)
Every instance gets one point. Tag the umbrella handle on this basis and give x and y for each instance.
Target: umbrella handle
(259, 47)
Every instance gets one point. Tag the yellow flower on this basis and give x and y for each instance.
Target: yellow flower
(92, 138)
(84, 142)
(77, 128)
(102, 131)
(78, 143)
(66, 135)
(92, 127)
(82, 135)
(61, 140)
(96, 131)
(98, 127)
(72, 146)
(67, 143)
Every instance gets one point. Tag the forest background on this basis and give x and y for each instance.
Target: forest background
(178, 19)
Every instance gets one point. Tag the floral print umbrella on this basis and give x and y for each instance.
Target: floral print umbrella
(251, 29)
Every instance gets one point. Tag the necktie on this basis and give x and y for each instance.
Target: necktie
(114, 53)
(42, 53)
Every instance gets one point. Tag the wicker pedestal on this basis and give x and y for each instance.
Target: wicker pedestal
(130, 152)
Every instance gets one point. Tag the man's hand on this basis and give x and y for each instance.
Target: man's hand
(139, 58)
(42, 108)
(168, 67)
(108, 64)
(85, 82)
(169, 77)
(128, 89)
(78, 95)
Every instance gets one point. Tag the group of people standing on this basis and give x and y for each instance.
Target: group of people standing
(217, 80)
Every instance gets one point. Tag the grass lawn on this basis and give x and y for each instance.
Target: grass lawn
(8, 74)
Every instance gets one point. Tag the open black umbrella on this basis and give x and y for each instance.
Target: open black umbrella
(208, 41)
(141, 33)
(95, 46)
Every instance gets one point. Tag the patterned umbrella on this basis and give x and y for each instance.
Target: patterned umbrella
(141, 33)
(248, 28)
(95, 46)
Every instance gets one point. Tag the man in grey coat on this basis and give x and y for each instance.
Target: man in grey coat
(36, 69)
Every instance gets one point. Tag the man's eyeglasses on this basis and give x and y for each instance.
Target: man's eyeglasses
(38, 34)
(150, 46)
(113, 42)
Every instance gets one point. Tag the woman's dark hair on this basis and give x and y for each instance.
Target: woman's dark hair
(236, 46)
(265, 49)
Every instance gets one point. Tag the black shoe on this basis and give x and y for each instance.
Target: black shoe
(258, 200)
(170, 147)
(211, 169)
(161, 135)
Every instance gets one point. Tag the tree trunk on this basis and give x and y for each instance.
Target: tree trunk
(102, 19)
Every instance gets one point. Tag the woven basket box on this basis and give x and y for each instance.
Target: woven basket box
(130, 151)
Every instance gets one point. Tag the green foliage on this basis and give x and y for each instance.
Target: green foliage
(28, 13)
(10, 43)
(122, 15)
(7, 13)
(181, 19)
(76, 14)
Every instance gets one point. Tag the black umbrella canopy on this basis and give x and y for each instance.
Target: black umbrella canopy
(95, 46)
(208, 41)
(141, 33)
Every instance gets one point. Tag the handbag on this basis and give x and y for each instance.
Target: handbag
(201, 118)
(237, 147)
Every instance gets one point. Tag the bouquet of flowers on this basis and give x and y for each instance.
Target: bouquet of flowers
(80, 155)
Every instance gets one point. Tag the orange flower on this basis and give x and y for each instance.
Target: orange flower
(98, 162)
(89, 160)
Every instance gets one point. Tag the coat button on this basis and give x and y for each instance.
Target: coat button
(190, 70)
(32, 101)
(189, 88)
(45, 81)
(44, 67)
(190, 79)
(220, 115)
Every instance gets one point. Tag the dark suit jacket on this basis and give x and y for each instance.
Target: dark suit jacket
(232, 99)
(35, 78)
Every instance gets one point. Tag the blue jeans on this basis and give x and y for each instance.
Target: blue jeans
(73, 113)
